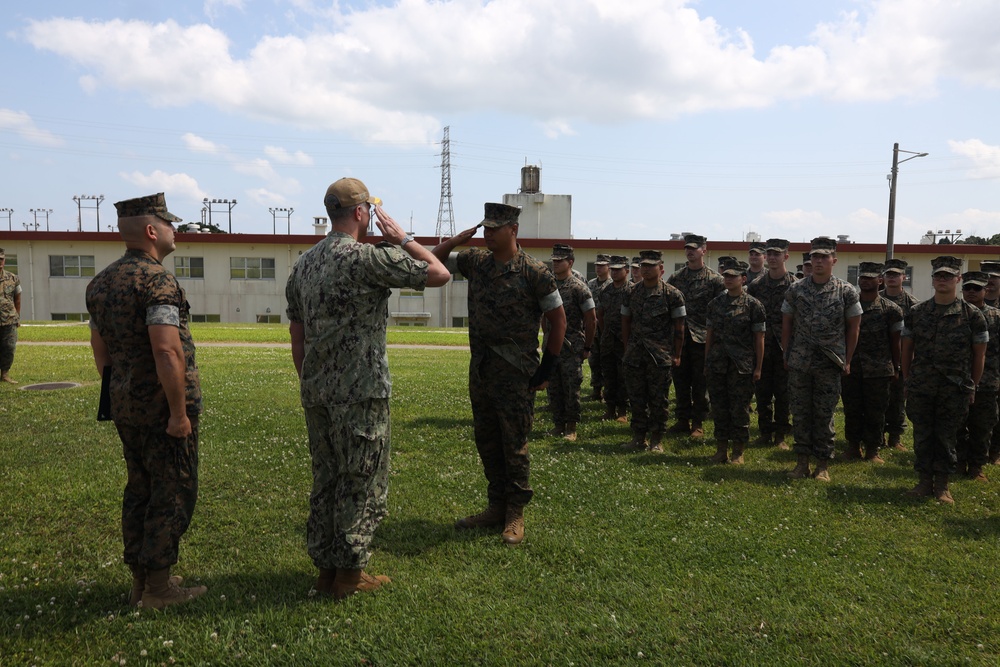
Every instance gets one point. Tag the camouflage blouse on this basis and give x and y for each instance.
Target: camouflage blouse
(699, 287)
(610, 303)
(873, 355)
(771, 293)
(652, 312)
(576, 300)
(943, 336)
(820, 312)
(10, 287)
(734, 321)
(123, 300)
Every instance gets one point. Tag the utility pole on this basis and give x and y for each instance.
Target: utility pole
(446, 215)
(892, 193)
(230, 203)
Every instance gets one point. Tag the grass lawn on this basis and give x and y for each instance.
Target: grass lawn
(629, 558)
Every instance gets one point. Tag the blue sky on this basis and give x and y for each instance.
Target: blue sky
(657, 116)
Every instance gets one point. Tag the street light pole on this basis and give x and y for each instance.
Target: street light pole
(228, 202)
(287, 212)
(892, 193)
(10, 214)
(79, 199)
(46, 211)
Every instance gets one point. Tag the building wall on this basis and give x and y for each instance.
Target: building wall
(241, 300)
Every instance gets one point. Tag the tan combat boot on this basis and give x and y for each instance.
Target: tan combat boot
(622, 417)
(737, 458)
(976, 474)
(161, 591)
(941, 491)
(925, 487)
(490, 517)
(801, 469)
(697, 430)
(349, 582)
(324, 583)
(654, 442)
(139, 584)
(721, 452)
(513, 532)
(871, 455)
(570, 432)
(5, 377)
(821, 473)
(853, 452)
(638, 443)
(895, 441)
(558, 430)
(779, 441)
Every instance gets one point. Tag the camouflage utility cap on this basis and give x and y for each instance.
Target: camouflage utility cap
(602, 259)
(895, 266)
(947, 264)
(777, 245)
(347, 193)
(758, 247)
(650, 257)
(975, 278)
(562, 251)
(991, 267)
(726, 259)
(806, 259)
(733, 268)
(618, 262)
(822, 245)
(148, 205)
(498, 215)
(694, 241)
(869, 270)
(635, 262)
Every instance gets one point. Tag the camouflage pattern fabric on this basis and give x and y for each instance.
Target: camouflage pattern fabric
(567, 376)
(865, 401)
(820, 315)
(653, 311)
(754, 275)
(350, 447)
(596, 286)
(975, 439)
(612, 352)
(160, 494)
(940, 379)
(10, 286)
(731, 391)
(772, 388)
(895, 414)
(8, 344)
(123, 300)
(734, 321)
(506, 304)
(873, 355)
(699, 287)
(339, 290)
(814, 393)
(648, 384)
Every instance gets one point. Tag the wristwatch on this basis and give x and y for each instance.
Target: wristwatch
(406, 239)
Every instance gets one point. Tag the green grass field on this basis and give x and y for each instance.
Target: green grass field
(629, 558)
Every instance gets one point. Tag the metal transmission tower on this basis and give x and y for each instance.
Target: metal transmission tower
(446, 214)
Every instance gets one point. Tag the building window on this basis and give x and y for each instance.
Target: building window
(852, 274)
(10, 265)
(69, 317)
(206, 318)
(269, 319)
(411, 293)
(189, 267)
(460, 322)
(251, 268)
(591, 271)
(71, 266)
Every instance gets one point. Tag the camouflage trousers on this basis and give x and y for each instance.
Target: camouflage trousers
(995, 438)
(865, 402)
(349, 445)
(895, 412)
(973, 444)
(160, 493)
(813, 397)
(689, 383)
(772, 386)
(502, 412)
(648, 387)
(564, 387)
(8, 343)
(731, 393)
(937, 411)
(596, 370)
(615, 391)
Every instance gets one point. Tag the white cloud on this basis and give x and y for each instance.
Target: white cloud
(985, 158)
(373, 72)
(23, 125)
(174, 185)
(214, 7)
(265, 197)
(200, 144)
(282, 156)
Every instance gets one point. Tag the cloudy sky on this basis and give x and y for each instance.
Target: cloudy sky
(657, 116)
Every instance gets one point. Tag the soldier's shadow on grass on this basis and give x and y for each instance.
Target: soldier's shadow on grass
(980, 528)
(438, 422)
(412, 537)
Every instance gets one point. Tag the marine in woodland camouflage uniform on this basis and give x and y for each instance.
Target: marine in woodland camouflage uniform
(819, 333)
(595, 285)
(699, 284)
(609, 315)
(509, 293)
(635, 275)
(772, 388)
(756, 261)
(139, 327)
(581, 325)
(337, 295)
(992, 269)
(943, 351)
(973, 445)
(865, 391)
(734, 352)
(10, 317)
(895, 414)
(653, 328)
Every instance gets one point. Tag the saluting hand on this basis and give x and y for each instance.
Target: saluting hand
(390, 229)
